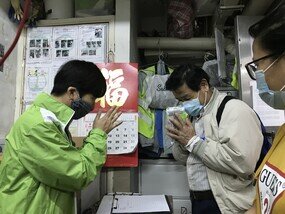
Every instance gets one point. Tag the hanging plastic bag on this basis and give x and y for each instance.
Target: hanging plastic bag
(211, 68)
(157, 96)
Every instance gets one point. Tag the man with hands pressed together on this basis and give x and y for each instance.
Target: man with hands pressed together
(220, 159)
(41, 168)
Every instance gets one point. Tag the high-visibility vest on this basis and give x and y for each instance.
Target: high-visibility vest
(146, 118)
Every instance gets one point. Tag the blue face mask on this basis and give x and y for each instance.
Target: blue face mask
(193, 107)
(275, 99)
(260, 79)
(81, 108)
(261, 83)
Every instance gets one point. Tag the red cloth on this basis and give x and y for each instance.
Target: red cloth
(181, 18)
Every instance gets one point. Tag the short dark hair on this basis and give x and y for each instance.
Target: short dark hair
(189, 74)
(270, 31)
(86, 77)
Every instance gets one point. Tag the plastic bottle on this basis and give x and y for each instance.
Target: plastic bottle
(170, 111)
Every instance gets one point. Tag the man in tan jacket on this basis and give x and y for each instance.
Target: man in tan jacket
(220, 159)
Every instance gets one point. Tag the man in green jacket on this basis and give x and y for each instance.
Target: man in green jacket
(41, 168)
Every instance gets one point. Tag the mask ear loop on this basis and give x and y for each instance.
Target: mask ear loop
(76, 91)
(271, 65)
(78, 95)
(282, 88)
(201, 114)
(283, 85)
(206, 93)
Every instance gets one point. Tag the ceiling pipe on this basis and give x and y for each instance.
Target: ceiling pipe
(195, 44)
(257, 7)
(175, 53)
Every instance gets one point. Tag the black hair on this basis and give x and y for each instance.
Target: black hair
(189, 74)
(270, 31)
(86, 77)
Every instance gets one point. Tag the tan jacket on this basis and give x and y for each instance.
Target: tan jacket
(230, 152)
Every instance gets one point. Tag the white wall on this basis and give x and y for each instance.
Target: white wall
(133, 31)
(122, 31)
(8, 76)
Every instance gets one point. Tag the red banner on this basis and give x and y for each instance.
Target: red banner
(122, 87)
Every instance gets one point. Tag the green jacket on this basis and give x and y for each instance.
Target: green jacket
(41, 167)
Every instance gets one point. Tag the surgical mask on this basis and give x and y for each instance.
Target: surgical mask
(275, 99)
(81, 108)
(260, 79)
(193, 107)
(261, 83)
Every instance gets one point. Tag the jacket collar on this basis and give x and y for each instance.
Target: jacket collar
(61, 111)
(211, 102)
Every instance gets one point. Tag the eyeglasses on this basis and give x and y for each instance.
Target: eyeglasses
(251, 67)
